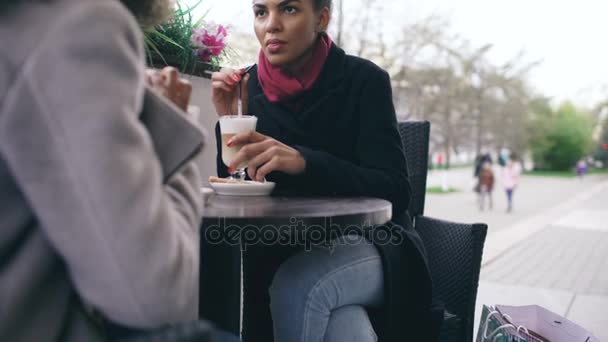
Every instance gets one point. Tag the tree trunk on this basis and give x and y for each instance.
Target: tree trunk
(364, 26)
(448, 132)
(479, 124)
(340, 22)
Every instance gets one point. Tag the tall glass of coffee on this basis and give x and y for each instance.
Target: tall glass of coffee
(231, 125)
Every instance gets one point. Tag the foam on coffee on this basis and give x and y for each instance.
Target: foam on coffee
(237, 124)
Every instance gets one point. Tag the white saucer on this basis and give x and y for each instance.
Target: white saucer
(249, 188)
(207, 192)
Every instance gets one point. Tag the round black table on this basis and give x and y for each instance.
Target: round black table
(231, 224)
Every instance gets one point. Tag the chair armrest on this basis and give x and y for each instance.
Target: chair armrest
(454, 252)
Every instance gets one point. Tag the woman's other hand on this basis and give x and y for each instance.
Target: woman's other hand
(169, 83)
(224, 91)
(265, 155)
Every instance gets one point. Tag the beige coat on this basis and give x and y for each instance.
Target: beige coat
(92, 212)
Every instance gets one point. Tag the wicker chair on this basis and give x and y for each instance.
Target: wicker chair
(454, 250)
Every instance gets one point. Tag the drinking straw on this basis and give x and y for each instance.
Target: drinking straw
(240, 100)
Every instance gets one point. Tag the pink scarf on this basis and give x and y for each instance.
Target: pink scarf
(278, 86)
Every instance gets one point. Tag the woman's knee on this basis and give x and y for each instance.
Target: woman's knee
(341, 327)
(293, 283)
(324, 276)
(282, 290)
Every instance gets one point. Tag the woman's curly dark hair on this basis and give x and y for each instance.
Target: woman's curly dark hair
(319, 4)
(5, 5)
(148, 12)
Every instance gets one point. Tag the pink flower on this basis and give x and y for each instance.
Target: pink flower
(210, 40)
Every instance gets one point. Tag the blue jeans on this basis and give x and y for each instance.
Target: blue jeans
(321, 295)
(509, 199)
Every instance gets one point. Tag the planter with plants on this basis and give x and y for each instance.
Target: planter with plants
(196, 47)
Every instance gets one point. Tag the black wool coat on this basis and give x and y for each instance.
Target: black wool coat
(347, 132)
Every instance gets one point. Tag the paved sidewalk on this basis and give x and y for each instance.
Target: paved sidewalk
(562, 266)
(553, 251)
(534, 195)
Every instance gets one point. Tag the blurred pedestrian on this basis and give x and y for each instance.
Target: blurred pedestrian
(480, 160)
(485, 186)
(503, 158)
(510, 178)
(581, 168)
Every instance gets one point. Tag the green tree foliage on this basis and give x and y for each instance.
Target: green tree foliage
(601, 152)
(559, 138)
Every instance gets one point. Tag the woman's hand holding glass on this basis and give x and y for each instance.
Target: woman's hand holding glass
(225, 92)
(265, 155)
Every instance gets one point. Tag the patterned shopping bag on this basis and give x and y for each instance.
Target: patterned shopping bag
(530, 323)
(497, 327)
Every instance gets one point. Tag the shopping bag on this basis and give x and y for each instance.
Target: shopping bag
(531, 323)
(550, 325)
(494, 327)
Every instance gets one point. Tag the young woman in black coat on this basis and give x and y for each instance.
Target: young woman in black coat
(326, 126)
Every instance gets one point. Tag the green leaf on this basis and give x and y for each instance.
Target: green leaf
(150, 44)
(166, 38)
(191, 8)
